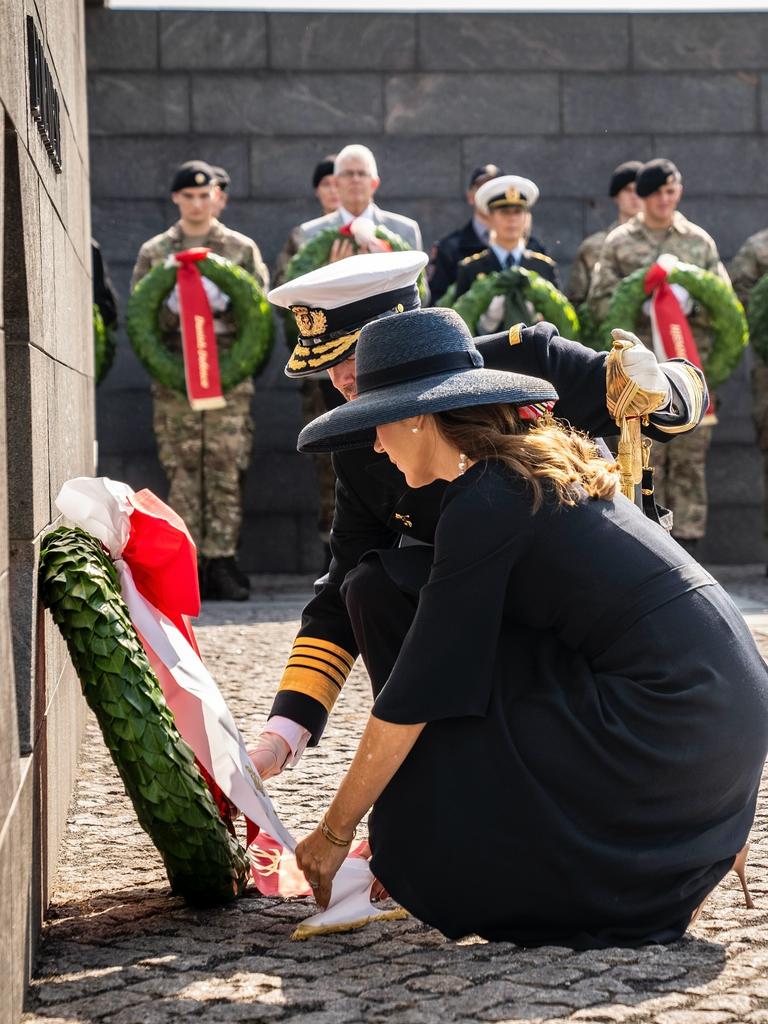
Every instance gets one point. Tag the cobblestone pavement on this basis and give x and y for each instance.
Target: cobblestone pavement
(118, 948)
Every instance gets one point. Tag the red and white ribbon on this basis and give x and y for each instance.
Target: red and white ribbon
(156, 563)
(672, 336)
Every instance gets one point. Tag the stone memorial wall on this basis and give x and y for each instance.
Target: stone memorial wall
(559, 98)
(46, 436)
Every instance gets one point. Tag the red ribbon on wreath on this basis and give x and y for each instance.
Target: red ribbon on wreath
(382, 245)
(198, 337)
(672, 336)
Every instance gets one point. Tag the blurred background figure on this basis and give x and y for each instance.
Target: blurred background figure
(747, 267)
(324, 187)
(622, 191)
(464, 241)
(506, 202)
(221, 198)
(679, 465)
(357, 178)
(204, 454)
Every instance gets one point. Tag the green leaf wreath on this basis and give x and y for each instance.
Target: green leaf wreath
(448, 297)
(103, 346)
(589, 328)
(317, 252)
(519, 286)
(78, 583)
(726, 315)
(244, 358)
(757, 314)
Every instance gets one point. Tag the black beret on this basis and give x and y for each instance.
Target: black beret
(623, 175)
(323, 169)
(486, 172)
(192, 174)
(654, 175)
(222, 178)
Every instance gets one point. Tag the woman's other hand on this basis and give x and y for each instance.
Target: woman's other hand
(320, 859)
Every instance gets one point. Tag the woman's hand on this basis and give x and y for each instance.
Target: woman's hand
(320, 859)
(383, 748)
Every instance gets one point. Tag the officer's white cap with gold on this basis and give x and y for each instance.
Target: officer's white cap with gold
(506, 190)
(332, 304)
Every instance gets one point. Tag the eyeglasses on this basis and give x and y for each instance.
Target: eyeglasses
(353, 174)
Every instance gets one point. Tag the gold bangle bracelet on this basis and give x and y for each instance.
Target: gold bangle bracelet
(331, 836)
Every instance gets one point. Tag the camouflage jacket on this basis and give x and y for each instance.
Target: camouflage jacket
(632, 245)
(584, 264)
(749, 264)
(224, 242)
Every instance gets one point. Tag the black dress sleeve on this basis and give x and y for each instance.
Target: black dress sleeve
(445, 668)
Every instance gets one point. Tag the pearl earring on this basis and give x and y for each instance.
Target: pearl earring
(462, 462)
(414, 430)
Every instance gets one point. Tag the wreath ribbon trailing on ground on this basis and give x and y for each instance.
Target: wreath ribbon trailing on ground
(519, 286)
(726, 314)
(244, 358)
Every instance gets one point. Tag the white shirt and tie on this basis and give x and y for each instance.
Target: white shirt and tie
(508, 257)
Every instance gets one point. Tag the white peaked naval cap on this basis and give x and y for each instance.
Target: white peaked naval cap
(506, 190)
(351, 280)
(330, 305)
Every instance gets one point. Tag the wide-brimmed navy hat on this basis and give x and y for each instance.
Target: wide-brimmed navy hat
(422, 361)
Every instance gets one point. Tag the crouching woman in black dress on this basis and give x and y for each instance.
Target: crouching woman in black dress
(571, 717)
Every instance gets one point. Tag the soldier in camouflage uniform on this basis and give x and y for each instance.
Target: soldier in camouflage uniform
(622, 191)
(661, 228)
(205, 454)
(748, 266)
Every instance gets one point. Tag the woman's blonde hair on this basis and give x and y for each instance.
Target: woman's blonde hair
(540, 451)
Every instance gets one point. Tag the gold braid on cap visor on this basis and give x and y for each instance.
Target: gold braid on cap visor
(326, 353)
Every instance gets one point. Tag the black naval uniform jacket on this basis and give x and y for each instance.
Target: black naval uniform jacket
(375, 508)
(451, 250)
(486, 262)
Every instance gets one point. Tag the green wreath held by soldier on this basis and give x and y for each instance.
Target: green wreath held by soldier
(250, 350)
(317, 252)
(757, 315)
(78, 584)
(103, 346)
(726, 315)
(519, 283)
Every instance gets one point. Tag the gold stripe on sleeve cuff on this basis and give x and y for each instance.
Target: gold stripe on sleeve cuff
(696, 398)
(318, 669)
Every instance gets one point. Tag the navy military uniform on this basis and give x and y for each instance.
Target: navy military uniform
(487, 262)
(376, 510)
(458, 247)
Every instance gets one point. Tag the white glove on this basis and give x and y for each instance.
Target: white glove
(269, 754)
(489, 321)
(217, 299)
(642, 366)
(682, 295)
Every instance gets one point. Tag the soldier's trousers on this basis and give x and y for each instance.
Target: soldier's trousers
(680, 481)
(760, 420)
(204, 455)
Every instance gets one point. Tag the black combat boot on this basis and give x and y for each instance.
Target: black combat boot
(222, 583)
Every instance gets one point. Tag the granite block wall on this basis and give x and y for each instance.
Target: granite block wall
(47, 428)
(558, 97)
